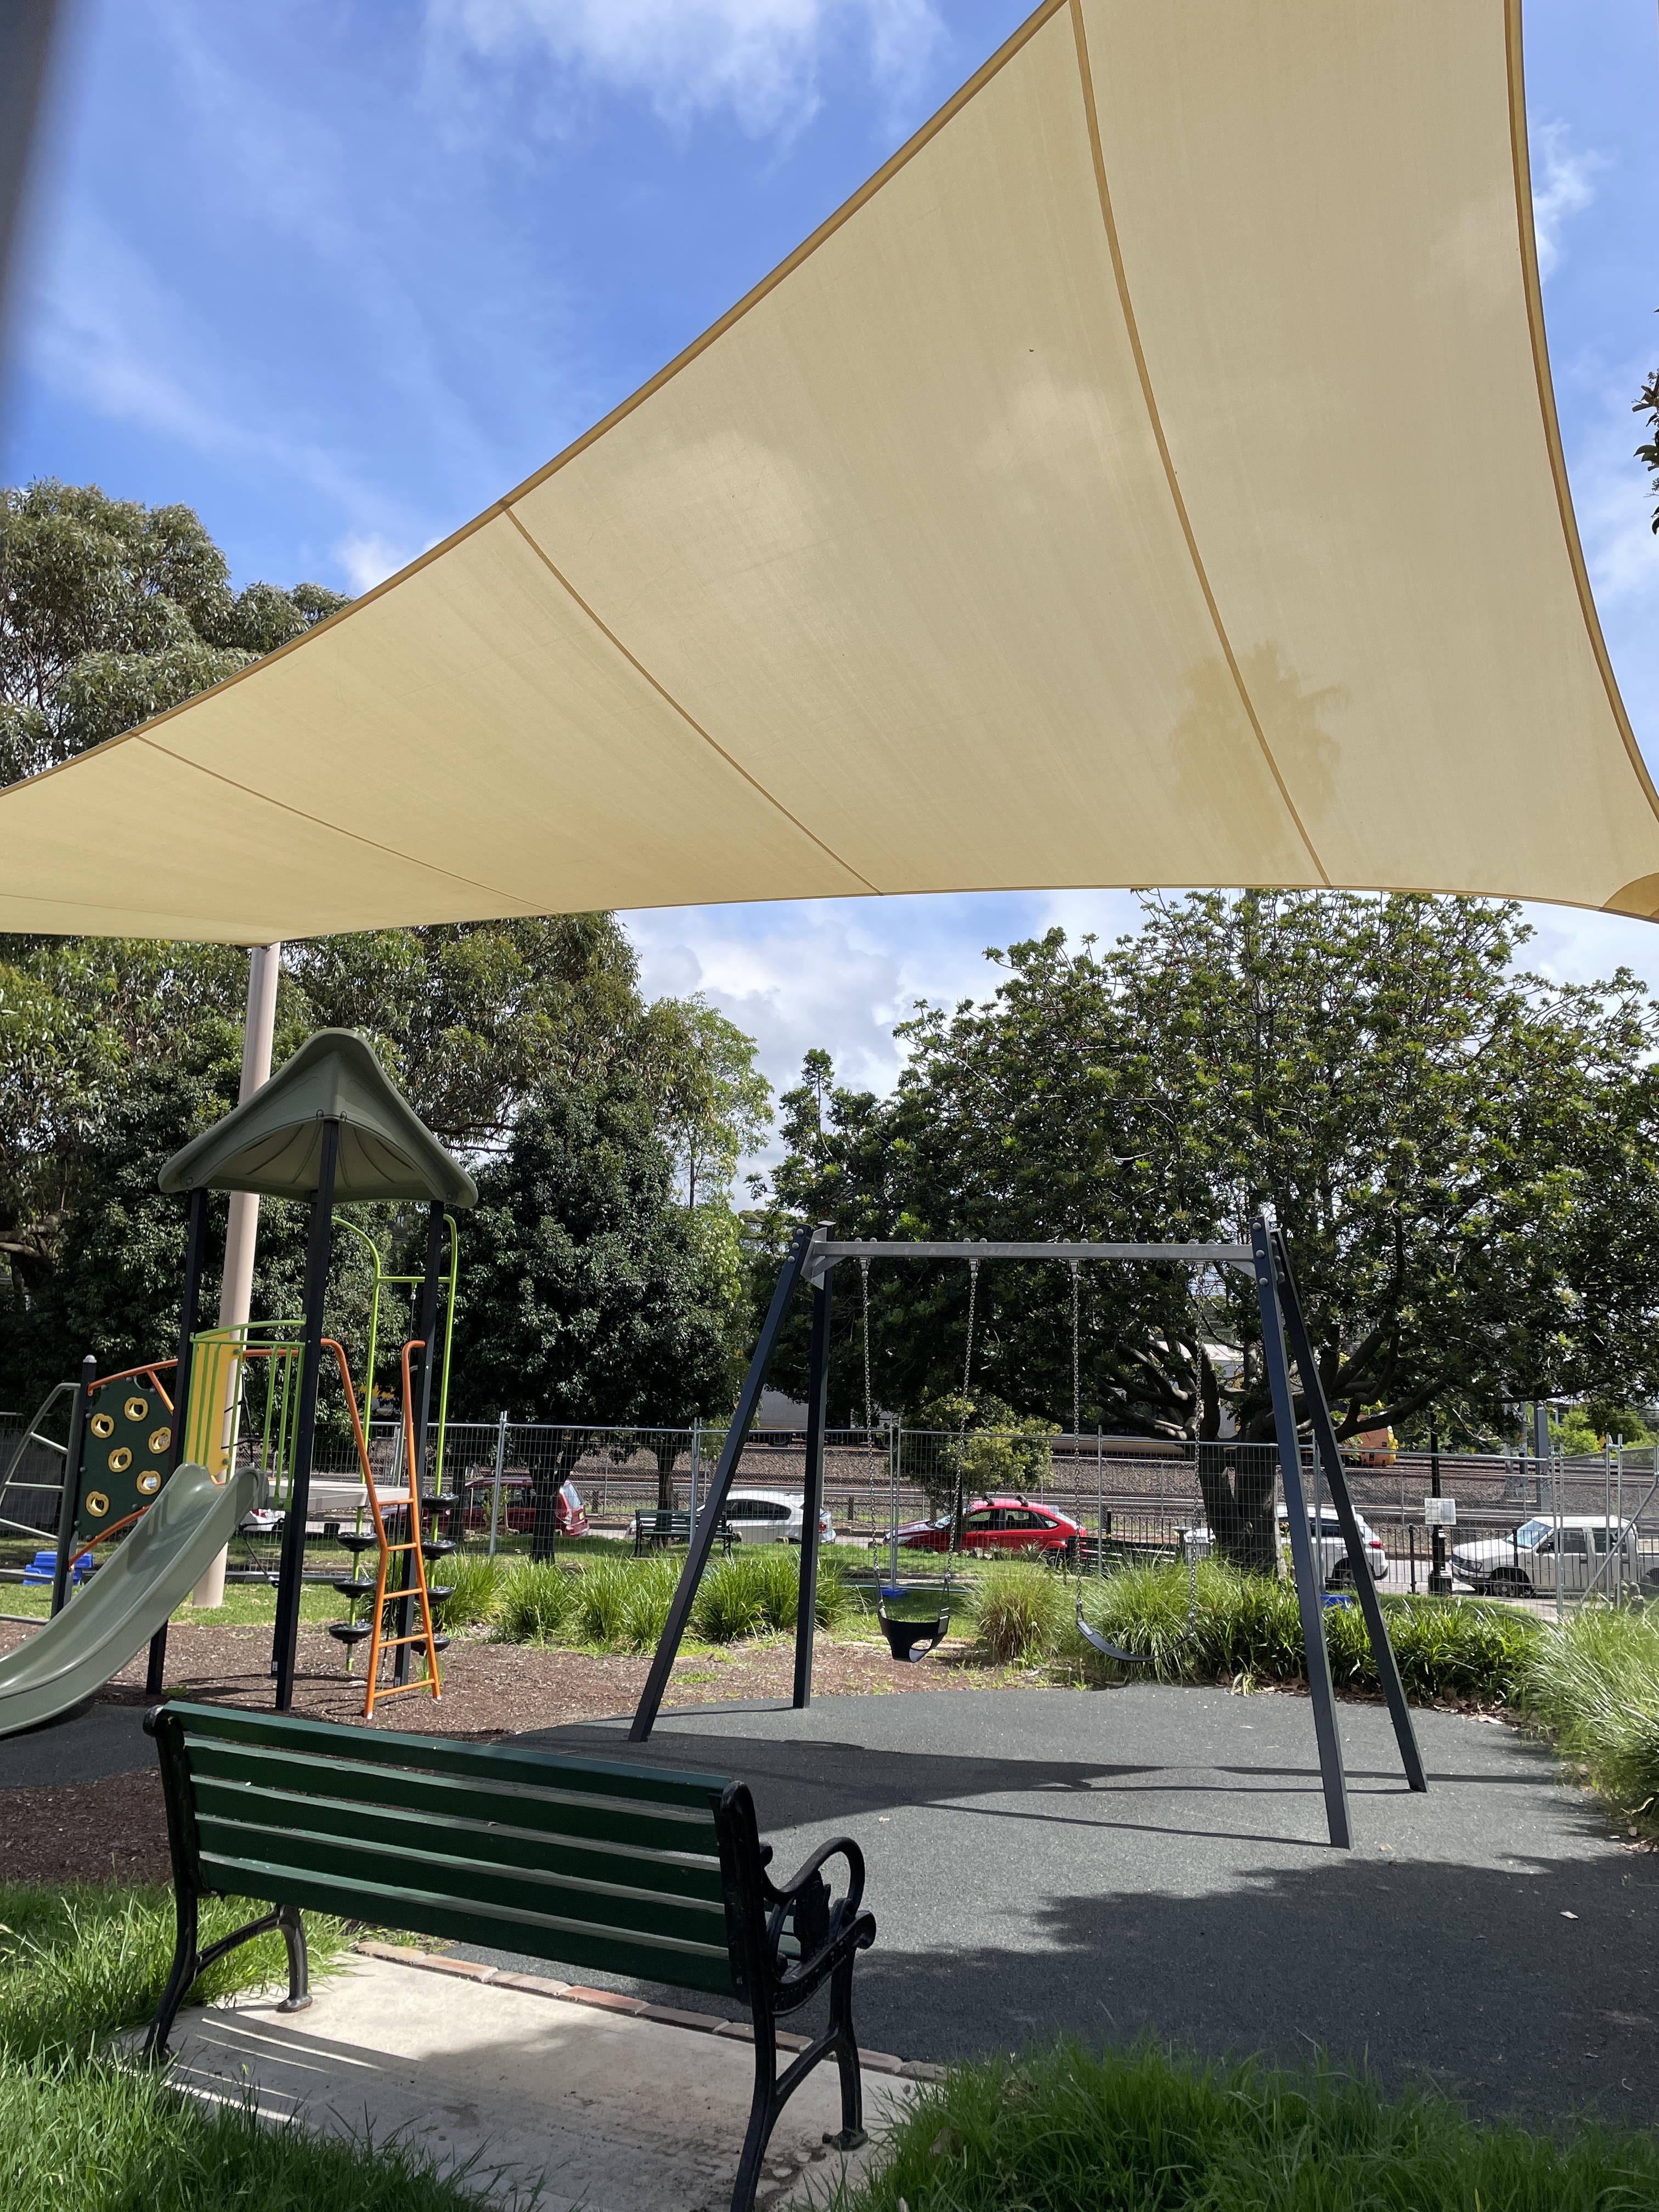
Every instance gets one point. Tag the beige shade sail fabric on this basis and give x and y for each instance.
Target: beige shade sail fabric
(1151, 477)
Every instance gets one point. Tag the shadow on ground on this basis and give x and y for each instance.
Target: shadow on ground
(1491, 1938)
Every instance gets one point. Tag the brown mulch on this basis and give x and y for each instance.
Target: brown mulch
(110, 1831)
(116, 1829)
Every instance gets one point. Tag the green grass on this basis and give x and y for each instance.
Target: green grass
(1065, 2130)
(80, 2133)
(94, 2139)
(76, 1962)
(1593, 1684)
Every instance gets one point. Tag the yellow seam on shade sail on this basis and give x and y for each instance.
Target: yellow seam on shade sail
(890, 168)
(1108, 219)
(1522, 163)
(691, 720)
(514, 899)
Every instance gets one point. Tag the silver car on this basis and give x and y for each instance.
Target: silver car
(772, 1516)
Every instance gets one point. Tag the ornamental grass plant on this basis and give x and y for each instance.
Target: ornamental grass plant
(1247, 1628)
(1593, 1684)
(1023, 1613)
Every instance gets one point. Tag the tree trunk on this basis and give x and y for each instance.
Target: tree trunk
(1239, 1483)
(668, 1450)
(546, 1481)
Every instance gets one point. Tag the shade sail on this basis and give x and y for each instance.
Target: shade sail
(1152, 477)
(272, 1142)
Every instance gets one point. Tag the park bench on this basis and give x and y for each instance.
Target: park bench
(627, 1868)
(654, 1525)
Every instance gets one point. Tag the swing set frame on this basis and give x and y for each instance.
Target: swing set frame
(811, 1260)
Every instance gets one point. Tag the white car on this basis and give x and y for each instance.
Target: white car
(1533, 1560)
(1333, 1550)
(772, 1516)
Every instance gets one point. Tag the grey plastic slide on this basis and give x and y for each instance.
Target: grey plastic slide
(111, 1617)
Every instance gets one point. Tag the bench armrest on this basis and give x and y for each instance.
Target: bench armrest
(823, 1930)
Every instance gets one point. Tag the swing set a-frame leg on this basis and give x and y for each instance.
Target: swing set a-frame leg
(1281, 1317)
(1330, 1458)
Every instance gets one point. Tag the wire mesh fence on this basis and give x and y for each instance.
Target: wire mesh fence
(1554, 1529)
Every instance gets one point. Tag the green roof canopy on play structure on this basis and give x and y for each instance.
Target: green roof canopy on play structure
(272, 1143)
(1151, 476)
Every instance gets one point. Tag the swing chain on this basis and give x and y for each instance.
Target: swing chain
(864, 1273)
(1076, 1414)
(967, 1356)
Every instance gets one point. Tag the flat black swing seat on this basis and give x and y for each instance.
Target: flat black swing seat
(912, 1640)
(1106, 1648)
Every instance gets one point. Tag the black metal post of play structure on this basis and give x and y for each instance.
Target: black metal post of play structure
(712, 1507)
(817, 1402)
(426, 1330)
(812, 1259)
(190, 1305)
(69, 1509)
(318, 1247)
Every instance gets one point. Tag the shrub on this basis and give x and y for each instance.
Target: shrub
(1023, 1613)
(536, 1598)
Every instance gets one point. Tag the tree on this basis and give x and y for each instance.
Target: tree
(592, 1296)
(1648, 404)
(712, 1103)
(110, 612)
(1461, 1153)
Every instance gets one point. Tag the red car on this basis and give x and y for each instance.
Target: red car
(518, 1512)
(998, 1524)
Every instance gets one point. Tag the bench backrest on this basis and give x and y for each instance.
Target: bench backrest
(625, 1868)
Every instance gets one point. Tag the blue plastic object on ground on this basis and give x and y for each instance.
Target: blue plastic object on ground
(42, 1567)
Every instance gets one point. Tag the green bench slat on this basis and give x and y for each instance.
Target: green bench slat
(474, 1881)
(540, 1935)
(562, 1805)
(682, 1873)
(442, 1755)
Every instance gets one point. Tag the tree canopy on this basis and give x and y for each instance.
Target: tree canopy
(110, 612)
(593, 1295)
(1461, 1154)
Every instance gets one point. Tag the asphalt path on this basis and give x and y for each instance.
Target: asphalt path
(1154, 1860)
(98, 1741)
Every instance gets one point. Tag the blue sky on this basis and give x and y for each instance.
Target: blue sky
(338, 273)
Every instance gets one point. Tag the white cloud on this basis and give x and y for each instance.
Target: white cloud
(368, 559)
(1567, 188)
(841, 972)
(757, 60)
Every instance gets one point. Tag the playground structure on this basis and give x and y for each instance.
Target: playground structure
(328, 1126)
(127, 1603)
(812, 1259)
